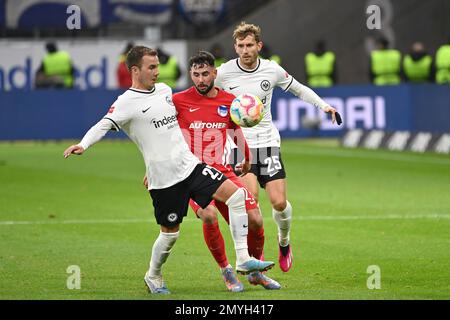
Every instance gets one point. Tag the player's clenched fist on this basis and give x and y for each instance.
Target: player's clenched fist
(75, 149)
(243, 168)
(330, 109)
(145, 182)
(335, 116)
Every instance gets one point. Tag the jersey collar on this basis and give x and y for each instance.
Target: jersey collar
(246, 70)
(143, 91)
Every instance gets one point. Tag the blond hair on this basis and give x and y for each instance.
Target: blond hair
(244, 29)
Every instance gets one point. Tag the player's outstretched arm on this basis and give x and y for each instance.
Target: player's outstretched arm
(307, 94)
(335, 116)
(95, 134)
(73, 149)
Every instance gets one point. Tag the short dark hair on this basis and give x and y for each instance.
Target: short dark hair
(129, 46)
(134, 56)
(51, 47)
(202, 57)
(384, 42)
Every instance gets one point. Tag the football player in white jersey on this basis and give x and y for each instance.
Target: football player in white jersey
(145, 112)
(251, 74)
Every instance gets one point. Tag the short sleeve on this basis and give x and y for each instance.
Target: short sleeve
(283, 78)
(119, 114)
(164, 88)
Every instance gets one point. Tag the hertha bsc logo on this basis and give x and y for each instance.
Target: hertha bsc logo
(222, 111)
(172, 217)
(265, 85)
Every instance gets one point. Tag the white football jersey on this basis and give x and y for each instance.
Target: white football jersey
(260, 81)
(149, 118)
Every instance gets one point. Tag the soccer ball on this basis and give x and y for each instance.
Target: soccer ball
(246, 110)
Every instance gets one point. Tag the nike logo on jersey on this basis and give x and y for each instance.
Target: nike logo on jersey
(144, 111)
(232, 88)
(193, 110)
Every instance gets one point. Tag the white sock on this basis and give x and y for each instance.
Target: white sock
(283, 220)
(239, 224)
(160, 252)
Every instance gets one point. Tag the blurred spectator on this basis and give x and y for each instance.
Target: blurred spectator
(443, 64)
(266, 53)
(320, 66)
(123, 74)
(169, 70)
(217, 51)
(418, 64)
(56, 70)
(385, 66)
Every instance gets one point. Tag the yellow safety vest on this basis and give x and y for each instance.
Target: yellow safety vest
(59, 64)
(443, 65)
(319, 69)
(386, 67)
(417, 71)
(168, 72)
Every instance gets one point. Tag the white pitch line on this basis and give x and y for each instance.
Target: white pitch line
(190, 219)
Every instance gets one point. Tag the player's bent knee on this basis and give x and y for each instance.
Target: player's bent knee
(279, 205)
(208, 215)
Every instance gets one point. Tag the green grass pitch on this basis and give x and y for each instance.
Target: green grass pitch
(352, 209)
